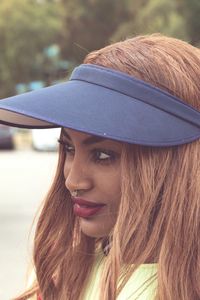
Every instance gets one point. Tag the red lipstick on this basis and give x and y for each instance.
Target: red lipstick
(84, 208)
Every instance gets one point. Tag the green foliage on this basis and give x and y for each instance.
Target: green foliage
(89, 24)
(26, 27)
(191, 11)
(154, 16)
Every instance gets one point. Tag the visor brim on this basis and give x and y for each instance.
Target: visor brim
(96, 110)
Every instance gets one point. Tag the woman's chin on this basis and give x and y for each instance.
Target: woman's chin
(93, 228)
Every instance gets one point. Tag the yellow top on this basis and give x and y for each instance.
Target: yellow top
(141, 285)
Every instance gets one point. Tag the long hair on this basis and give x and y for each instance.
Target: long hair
(159, 213)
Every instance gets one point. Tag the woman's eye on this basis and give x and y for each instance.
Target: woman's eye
(101, 156)
(69, 149)
(66, 147)
(104, 156)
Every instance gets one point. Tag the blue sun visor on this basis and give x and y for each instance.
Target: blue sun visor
(107, 103)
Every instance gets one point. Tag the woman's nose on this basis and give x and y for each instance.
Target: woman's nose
(77, 175)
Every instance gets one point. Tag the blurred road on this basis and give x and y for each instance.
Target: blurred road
(25, 177)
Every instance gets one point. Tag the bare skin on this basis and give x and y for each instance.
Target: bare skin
(92, 166)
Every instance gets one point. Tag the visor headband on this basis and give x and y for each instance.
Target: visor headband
(108, 103)
(137, 89)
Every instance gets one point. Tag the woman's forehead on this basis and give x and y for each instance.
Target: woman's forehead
(68, 132)
(85, 138)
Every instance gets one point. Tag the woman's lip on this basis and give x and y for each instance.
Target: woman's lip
(86, 211)
(83, 202)
(84, 208)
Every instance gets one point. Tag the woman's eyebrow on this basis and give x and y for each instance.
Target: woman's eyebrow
(66, 134)
(88, 141)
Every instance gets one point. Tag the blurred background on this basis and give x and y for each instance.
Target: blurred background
(41, 41)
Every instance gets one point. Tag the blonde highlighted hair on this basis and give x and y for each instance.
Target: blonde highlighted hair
(159, 213)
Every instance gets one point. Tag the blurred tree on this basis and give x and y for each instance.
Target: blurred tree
(26, 27)
(78, 27)
(153, 16)
(89, 24)
(92, 24)
(191, 12)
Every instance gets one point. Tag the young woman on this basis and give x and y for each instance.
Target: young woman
(122, 218)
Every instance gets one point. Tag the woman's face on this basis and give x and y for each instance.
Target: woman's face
(92, 166)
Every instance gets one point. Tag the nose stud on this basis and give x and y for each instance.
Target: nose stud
(74, 193)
